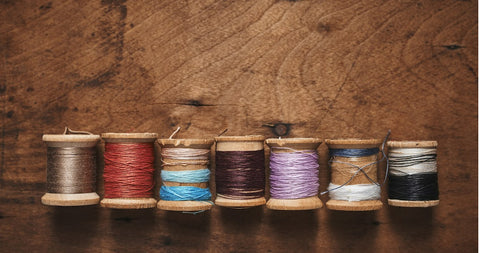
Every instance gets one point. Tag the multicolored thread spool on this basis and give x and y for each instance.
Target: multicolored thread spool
(184, 160)
(352, 188)
(413, 179)
(71, 168)
(129, 170)
(240, 171)
(294, 174)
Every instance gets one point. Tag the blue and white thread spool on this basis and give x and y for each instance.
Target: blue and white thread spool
(185, 175)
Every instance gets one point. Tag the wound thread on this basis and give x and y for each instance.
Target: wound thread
(71, 169)
(413, 174)
(293, 175)
(128, 170)
(240, 174)
(185, 157)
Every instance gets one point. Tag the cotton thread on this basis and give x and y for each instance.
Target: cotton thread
(293, 175)
(185, 157)
(184, 193)
(240, 174)
(413, 174)
(357, 192)
(71, 169)
(128, 170)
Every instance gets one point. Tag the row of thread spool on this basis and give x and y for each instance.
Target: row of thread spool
(347, 172)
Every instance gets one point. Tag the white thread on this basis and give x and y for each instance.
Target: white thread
(356, 192)
(411, 161)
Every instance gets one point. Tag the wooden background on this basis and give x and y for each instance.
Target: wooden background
(325, 68)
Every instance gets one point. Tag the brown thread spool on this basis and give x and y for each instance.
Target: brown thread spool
(69, 141)
(129, 203)
(344, 175)
(186, 206)
(239, 143)
(299, 144)
(405, 145)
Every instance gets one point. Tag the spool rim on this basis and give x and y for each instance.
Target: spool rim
(244, 138)
(129, 137)
(285, 141)
(185, 142)
(70, 138)
(413, 144)
(353, 143)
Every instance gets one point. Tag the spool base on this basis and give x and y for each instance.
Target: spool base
(343, 205)
(239, 203)
(128, 203)
(74, 199)
(185, 206)
(408, 203)
(309, 203)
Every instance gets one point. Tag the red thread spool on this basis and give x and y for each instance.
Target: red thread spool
(129, 170)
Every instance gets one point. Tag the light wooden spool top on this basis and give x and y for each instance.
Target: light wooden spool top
(240, 143)
(70, 140)
(129, 137)
(186, 143)
(353, 143)
(294, 143)
(412, 144)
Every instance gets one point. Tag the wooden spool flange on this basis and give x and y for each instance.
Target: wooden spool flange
(343, 205)
(185, 206)
(70, 199)
(412, 144)
(239, 143)
(299, 144)
(129, 203)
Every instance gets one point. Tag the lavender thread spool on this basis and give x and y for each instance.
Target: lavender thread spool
(294, 174)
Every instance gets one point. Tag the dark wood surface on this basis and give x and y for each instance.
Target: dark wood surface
(327, 69)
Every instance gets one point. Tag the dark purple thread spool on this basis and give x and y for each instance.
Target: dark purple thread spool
(240, 171)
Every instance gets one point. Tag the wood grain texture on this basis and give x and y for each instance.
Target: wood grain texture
(327, 69)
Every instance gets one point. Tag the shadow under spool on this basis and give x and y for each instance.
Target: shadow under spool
(405, 145)
(239, 143)
(360, 178)
(71, 141)
(129, 203)
(186, 206)
(299, 144)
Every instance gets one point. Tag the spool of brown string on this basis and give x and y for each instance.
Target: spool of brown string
(240, 171)
(240, 174)
(71, 169)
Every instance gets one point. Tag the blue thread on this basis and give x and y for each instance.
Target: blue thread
(354, 152)
(186, 176)
(183, 193)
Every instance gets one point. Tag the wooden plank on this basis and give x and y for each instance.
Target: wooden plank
(331, 69)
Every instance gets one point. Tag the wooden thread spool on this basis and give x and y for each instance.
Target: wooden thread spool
(186, 206)
(298, 144)
(412, 144)
(360, 178)
(66, 141)
(239, 143)
(129, 203)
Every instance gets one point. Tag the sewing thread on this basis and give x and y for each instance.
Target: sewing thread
(71, 169)
(413, 174)
(128, 170)
(293, 175)
(240, 174)
(185, 157)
